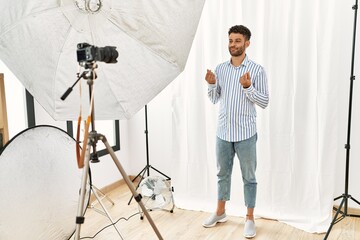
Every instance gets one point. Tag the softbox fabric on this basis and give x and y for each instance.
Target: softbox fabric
(38, 43)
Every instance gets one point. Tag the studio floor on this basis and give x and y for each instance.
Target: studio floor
(186, 225)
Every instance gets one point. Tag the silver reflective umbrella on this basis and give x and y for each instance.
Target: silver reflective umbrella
(38, 42)
(38, 194)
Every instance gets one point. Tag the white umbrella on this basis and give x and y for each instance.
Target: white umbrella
(38, 42)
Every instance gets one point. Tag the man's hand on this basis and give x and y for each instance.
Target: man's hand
(210, 77)
(245, 80)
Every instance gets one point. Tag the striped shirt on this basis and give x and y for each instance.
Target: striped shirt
(237, 113)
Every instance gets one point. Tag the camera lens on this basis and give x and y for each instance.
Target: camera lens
(108, 54)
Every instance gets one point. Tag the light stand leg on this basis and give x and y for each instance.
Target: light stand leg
(107, 213)
(335, 219)
(142, 173)
(99, 197)
(130, 185)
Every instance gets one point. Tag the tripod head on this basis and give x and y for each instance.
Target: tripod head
(89, 72)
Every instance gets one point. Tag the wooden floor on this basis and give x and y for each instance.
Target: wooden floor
(186, 225)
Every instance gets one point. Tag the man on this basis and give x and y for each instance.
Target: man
(238, 84)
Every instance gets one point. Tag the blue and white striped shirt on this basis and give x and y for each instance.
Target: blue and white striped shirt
(237, 113)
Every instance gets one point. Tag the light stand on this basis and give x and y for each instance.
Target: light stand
(105, 212)
(147, 167)
(92, 139)
(346, 196)
(99, 196)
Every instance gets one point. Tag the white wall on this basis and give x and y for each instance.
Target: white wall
(15, 101)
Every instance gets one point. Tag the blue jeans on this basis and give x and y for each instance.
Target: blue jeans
(246, 153)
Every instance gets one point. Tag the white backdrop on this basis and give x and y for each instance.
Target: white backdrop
(305, 47)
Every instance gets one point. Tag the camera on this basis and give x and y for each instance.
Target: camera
(88, 53)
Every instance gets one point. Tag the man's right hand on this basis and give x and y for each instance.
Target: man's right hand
(210, 77)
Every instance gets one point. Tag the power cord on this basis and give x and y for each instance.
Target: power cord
(122, 218)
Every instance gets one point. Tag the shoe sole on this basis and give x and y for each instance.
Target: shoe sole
(213, 225)
(250, 236)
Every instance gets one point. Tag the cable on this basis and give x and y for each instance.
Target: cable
(122, 218)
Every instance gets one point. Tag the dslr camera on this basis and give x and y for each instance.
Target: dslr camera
(88, 53)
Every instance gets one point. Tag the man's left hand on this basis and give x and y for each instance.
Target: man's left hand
(245, 80)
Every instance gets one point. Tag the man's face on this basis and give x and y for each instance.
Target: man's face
(237, 44)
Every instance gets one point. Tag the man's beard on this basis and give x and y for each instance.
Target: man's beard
(237, 53)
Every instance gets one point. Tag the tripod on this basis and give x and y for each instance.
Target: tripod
(346, 196)
(147, 168)
(92, 139)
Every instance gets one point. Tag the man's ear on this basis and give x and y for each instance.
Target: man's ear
(247, 43)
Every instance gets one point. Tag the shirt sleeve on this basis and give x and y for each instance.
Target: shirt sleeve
(214, 93)
(258, 92)
(214, 90)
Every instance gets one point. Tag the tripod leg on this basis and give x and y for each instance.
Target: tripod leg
(130, 185)
(80, 218)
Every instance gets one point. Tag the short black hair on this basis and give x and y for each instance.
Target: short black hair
(242, 30)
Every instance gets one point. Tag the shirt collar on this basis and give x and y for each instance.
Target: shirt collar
(244, 62)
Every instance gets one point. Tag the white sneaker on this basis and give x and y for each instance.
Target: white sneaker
(214, 219)
(249, 229)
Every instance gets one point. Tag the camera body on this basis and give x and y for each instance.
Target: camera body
(88, 53)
